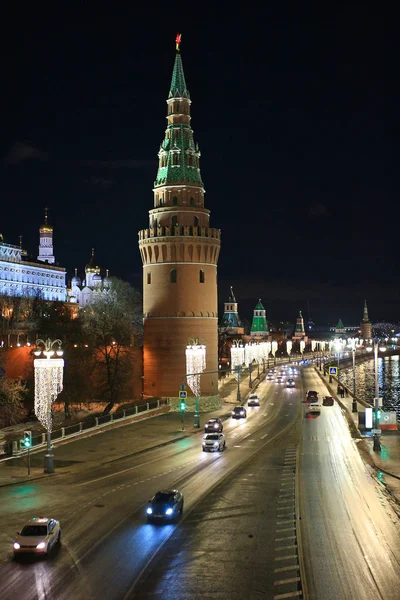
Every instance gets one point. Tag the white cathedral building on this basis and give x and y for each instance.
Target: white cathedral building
(20, 276)
(92, 287)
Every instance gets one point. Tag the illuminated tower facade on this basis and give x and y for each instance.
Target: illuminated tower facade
(366, 325)
(179, 251)
(46, 251)
(299, 332)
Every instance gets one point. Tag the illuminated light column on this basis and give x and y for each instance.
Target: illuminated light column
(274, 348)
(377, 399)
(289, 346)
(268, 345)
(195, 365)
(302, 347)
(313, 345)
(48, 384)
(237, 360)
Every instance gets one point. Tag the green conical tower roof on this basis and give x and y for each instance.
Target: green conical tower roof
(179, 155)
(339, 325)
(178, 87)
(365, 315)
(259, 324)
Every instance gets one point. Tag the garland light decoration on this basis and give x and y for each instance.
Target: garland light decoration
(48, 380)
(195, 364)
(237, 355)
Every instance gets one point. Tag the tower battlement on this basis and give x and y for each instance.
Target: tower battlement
(180, 231)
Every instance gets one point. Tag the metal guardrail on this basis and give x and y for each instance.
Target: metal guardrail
(91, 423)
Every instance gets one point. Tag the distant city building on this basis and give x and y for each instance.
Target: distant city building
(20, 276)
(366, 325)
(259, 326)
(230, 322)
(92, 287)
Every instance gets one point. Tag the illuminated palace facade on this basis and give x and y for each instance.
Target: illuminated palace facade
(20, 276)
(179, 251)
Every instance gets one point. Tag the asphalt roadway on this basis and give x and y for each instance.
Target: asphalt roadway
(287, 511)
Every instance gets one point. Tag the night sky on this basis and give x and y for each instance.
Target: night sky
(294, 115)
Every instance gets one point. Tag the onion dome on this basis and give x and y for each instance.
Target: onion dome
(96, 279)
(76, 281)
(91, 267)
(46, 227)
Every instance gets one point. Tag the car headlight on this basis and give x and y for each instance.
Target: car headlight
(16, 546)
(242, 412)
(169, 511)
(149, 510)
(41, 546)
(215, 444)
(233, 413)
(216, 426)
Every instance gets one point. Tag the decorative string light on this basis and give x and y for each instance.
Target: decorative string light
(289, 347)
(302, 346)
(48, 384)
(313, 345)
(274, 348)
(195, 364)
(237, 355)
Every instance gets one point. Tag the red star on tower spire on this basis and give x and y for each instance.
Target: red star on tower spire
(178, 41)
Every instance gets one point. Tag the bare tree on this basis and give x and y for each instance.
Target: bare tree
(112, 323)
(12, 410)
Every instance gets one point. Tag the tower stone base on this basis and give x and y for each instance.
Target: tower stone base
(165, 341)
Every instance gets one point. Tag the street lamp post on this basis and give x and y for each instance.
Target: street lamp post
(48, 384)
(238, 370)
(377, 431)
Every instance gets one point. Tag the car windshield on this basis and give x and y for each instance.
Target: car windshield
(163, 497)
(212, 422)
(35, 530)
(212, 436)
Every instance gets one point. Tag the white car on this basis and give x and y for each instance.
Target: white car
(314, 407)
(214, 442)
(253, 400)
(38, 536)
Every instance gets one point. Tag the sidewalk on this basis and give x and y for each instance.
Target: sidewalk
(387, 461)
(123, 440)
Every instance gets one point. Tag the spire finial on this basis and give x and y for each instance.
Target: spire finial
(45, 215)
(76, 272)
(107, 271)
(20, 241)
(178, 41)
(92, 251)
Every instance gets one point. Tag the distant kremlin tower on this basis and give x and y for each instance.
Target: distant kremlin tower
(366, 325)
(179, 251)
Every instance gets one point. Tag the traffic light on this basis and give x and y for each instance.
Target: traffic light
(182, 405)
(378, 414)
(27, 441)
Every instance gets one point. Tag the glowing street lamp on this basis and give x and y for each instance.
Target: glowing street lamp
(48, 384)
(338, 347)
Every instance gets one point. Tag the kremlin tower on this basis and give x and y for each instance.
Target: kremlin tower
(179, 251)
(366, 325)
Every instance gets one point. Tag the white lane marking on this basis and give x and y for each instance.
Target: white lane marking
(289, 483)
(284, 581)
(288, 501)
(286, 522)
(289, 568)
(285, 529)
(116, 473)
(237, 446)
(264, 436)
(285, 557)
(288, 595)
(287, 537)
(288, 547)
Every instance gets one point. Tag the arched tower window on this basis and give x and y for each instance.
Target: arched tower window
(175, 201)
(148, 277)
(172, 275)
(174, 221)
(202, 276)
(191, 201)
(196, 221)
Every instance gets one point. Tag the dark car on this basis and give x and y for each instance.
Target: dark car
(167, 504)
(311, 394)
(239, 412)
(213, 426)
(328, 401)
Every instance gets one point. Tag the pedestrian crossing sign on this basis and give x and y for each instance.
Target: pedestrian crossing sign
(332, 370)
(182, 395)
